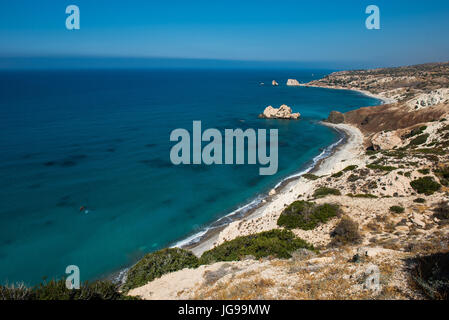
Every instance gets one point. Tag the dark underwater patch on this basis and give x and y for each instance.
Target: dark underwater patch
(157, 163)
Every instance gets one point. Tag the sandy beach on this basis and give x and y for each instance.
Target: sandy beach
(264, 216)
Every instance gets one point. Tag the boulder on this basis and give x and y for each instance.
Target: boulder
(336, 117)
(274, 83)
(283, 112)
(292, 82)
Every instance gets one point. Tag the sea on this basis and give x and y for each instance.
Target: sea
(85, 171)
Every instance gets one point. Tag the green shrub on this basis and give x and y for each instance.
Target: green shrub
(325, 191)
(337, 175)
(346, 232)
(57, 290)
(310, 176)
(275, 243)
(441, 211)
(158, 263)
(419, 140)
(353, 178)
(350, 168)
(362, 195)
(397, 209)
(424, 171)
(380, 167)
(419, 200)
(443, 175)
(307, 215)
(431, 275)
(415, 132)
(426, 185)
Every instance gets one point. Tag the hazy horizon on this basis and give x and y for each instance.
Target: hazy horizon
(231, 34)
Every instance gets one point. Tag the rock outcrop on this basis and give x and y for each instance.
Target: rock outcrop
(283, 112)
(274, 83)
(292, 82)
(385, 140)
(336, 117)
(429, 99)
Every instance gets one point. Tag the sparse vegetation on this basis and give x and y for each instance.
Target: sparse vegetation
(430, 274)
(443, 175)
(426, 185)
(421, 139)
(307, 215)
(362, 195)
(441, 211)
(158, 263)
(380, 167)
(397, 209)
(275, 243)
(325, 191)
(57, 290)
(310, 176)
(346, 232)
(419, 200)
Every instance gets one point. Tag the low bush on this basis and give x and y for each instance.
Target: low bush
(415, 132)
(397, 209)
(275, 243)
(307, 215)
(57, 290)
(419, 200)
(350, 168)
(362, 195)
(380, 167)
(310, 176)
(346, 232)
(158, 263)
(337, 175)
(425, 185)
(441, 211)
(325, 191)
(430, 274)
(421, 139)
(424, 171)
(443, 175)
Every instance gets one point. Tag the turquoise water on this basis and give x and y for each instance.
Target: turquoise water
(100, 139)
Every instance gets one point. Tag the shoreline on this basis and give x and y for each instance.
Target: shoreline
(324, 164)
(385, 100)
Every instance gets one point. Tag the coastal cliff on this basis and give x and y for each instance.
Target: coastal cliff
(370, 222)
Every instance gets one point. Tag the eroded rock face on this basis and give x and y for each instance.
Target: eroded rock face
(283, 112)
(385, 140)
(336, 117)
(429, 99)
(292, 82)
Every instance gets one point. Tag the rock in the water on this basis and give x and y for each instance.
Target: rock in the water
(292, 82)
(336, 117)
(284, 112)
(274, 83)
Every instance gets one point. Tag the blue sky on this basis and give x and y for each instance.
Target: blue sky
(330, 33)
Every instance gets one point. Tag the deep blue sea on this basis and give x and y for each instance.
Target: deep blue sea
(100, 139)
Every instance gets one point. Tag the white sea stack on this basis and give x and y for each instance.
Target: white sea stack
(283, 112)
(292, 82)
(274, 83)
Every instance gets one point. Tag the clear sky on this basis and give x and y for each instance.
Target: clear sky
(315, 32)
